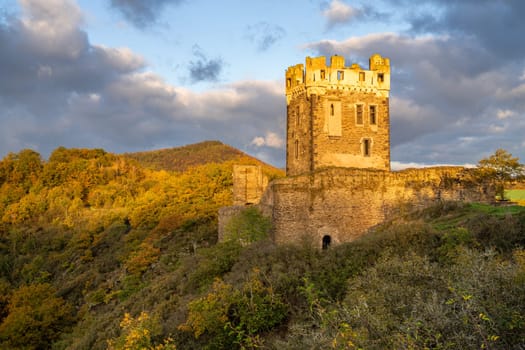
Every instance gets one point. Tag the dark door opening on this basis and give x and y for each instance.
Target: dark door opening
(326, 242)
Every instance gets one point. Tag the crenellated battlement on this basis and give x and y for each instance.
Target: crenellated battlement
(316, 76)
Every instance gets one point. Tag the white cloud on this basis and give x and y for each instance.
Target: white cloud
(121, 58)
(406, 109)
(274, 140)
(505, 113)
(466, 140)
(51, 18)
(94, 98)
(44, 71)
(387, 42)
(339, 12)
(258, 141)
(395, 165)
(270, 140)
(497, 129)
(52, 26)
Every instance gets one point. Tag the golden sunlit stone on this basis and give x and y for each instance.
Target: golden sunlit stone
(339, 184)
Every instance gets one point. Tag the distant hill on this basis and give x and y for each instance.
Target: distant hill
(181, 158)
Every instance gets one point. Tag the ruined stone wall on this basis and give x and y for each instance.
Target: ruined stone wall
(249, 184)
(225, 215)
(345, 203)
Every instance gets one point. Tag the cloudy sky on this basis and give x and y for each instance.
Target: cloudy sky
(133, 75)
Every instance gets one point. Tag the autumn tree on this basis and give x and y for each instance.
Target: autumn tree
(22, 169)
(36, 317)
(500, 168)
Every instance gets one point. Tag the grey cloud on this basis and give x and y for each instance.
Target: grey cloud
(340, 13)
(203, 68)
(337, 12)
(264, 34)
(103, 97)
(443, 90)
(497, 26)
(142, 13)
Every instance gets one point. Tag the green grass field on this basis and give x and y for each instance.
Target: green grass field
(516, 196)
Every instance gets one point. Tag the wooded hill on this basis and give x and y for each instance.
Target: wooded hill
(101, 251)
(182, 158)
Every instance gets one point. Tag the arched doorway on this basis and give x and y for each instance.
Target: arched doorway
(327, 240)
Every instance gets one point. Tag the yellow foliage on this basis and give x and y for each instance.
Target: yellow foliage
(36, 317)
(141, 259)
(209, 312)
(136, 334)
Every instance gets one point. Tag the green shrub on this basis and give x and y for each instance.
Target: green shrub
(210, 263)
(228, 317)
(250, 225)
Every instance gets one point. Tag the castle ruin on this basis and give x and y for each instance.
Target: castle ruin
(339, 184)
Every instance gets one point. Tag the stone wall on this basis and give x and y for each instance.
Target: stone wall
(347, 150)
(345, 203)
(249, 184)
(225, 215)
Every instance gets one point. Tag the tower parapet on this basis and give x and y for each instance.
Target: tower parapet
(338, 115)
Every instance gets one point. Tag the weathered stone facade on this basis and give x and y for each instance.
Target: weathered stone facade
(338, 205)
(339, 182)
(337, 115)
(249, 183)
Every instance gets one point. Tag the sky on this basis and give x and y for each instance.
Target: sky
(137, 75)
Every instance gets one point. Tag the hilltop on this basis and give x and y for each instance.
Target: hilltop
(182, 158)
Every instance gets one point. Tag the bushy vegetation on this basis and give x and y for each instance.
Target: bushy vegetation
(98, 252)
(91, 232)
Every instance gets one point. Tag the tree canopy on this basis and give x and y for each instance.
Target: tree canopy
(501, 167)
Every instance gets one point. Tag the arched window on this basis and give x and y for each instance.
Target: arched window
(327, 240)
(332, 109)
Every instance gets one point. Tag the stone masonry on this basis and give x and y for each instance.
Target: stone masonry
(338, 205)
(337, 115)
(249, 183)
(339, 184)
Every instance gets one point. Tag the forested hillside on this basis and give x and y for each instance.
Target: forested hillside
(101, 251)
(181, 158)
(85, 231)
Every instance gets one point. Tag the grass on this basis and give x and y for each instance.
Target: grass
(450, 215)
(517, 196)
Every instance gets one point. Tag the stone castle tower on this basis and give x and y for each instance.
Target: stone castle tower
(339, 183)
(337, 116)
